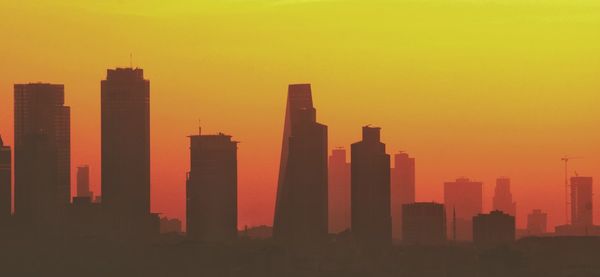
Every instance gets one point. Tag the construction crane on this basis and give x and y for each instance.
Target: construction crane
(566, 160)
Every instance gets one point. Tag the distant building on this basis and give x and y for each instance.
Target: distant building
(503, 200)
(495, 228)
(301, 205)
(423, 223)
(581, 201)
(370, 184)
(125, 151)
(83, 182)
(42, 156)
(537, 222)
(5, 182)
(170, 225)
(256, 232)
(211, 189)
(402, 189)
(464, 197)
(339, 192)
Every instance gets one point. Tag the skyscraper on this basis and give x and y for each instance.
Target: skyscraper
(503, 197)
(339, 191)
(5, 182)
(125, 148)
(493, 229)
(371, 216)
(403, 189)
(301, 205)
(581, 201)
(537, 223)
(464, 197)
(83, 182)
(42, 155)
(211, 189)
(423, 223)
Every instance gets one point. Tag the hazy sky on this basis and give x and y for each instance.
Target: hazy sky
(470, 88)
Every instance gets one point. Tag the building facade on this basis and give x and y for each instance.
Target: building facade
(495, 228)
(463, 201)
(503, 200)
(402, 190)
(339, 191)
(5, 182)
(423, 223)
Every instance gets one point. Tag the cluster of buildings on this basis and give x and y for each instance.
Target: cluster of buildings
(317, 194)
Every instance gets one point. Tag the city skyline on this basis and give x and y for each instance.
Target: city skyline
(493, 100)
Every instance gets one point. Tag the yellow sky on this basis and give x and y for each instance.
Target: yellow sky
(475, 88)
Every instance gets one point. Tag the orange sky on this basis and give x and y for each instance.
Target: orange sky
(470, 88)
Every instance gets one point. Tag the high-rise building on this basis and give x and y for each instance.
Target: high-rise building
(503, 197)
(370, 184)
(42, 155)
(403, 189)
(5, 182)
(301, 205)
(423, 223)
(581, 201)
(83, 182)
(464, 198)
(339, 191)
(537, 222)
(211, 189)
(125, 148)
(492, 229)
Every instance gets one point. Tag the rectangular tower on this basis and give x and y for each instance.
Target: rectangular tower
(423, 223)
(370, 182)
(581, 201)
(503, 200)
(125, 147)
(301, 205)
(211, 190)
(83, 182)
(5, 182)
(403, 189)
(42, 155)
(462, 198)
(339, 191)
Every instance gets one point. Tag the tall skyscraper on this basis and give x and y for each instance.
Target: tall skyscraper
(301, 205)
(125, 108)
(581, 201)
(503, 197)
(537, 223)
(211, 189)
(464, 198)
(424, 223)
(403, 189)
(493, 229)
(83, 182)
(371, 215)
(339, 191)
(5, 182)
(42, 155)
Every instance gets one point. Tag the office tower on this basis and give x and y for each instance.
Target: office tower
(83, 182)
(581, 201)
(503, 197)
(537, 223)
(370, 166)
(86, 218)
(464, 197)
(301, 205)
(125, 148)
(423, 223)
(42, 155)
(211, 189)
(5, 182)
(403, 189)
(493, 229)
(339, 191)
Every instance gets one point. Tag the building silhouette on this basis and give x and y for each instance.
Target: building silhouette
(339, 191)
(581, 201)
(170, 225)
(301, 204)
(86, 219)
(42, 156)
(537, 223)
(503, 197)
(423, 223)
(464, 198)
(5, 182)
(125, 150)
(402, 190)
(370, 166)
(211, 189)
(83, 182)
(493, 229)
